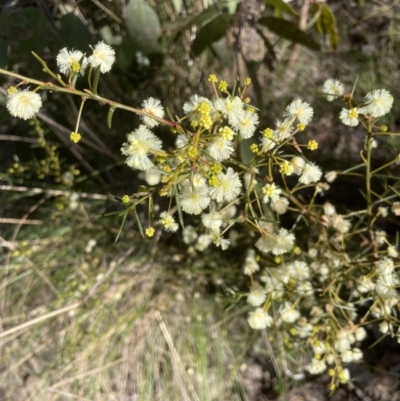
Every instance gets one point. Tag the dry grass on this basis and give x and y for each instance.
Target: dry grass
(113, 324)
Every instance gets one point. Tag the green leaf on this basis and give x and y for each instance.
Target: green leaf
(178, 206)
(143, 26)
(138, 222)
(287, 30)
(205, 16)
(74, 33)
(121, 226)
(210, 33)
(281, 6)
(326, 23)
(223, 52)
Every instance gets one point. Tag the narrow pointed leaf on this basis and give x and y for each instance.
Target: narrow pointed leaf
(287, 30)
(121, 226)
(210, 33)
(326, 23)
(138, 222)
(178, 206)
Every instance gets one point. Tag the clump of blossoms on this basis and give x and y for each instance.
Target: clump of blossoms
(376, 103)
(309, 273)
(23, 104)
(203, 176)
(311, 296)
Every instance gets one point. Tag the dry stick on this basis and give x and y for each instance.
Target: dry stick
(25, 216)
(107, 11)
(178, 363)
(16, 138)
(68, 395)
(39, 319)
(4, 220)
(55, 192)
(271, 353)
(88, 373)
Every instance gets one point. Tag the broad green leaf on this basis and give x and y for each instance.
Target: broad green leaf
(210, 33)
(143, 26)
(74, 33)
(287, 30)
(223, 52)
(281, 6)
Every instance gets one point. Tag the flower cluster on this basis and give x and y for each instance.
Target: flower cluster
(312, 297)
(26, 104)
(308, 272)
(194, 173)
(376, 103)
(23, 104)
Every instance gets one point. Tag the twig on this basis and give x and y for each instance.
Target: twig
(107, 11)
(39, 319)
(5, 220)
(88, 373)
(53, 192)
(67, 395)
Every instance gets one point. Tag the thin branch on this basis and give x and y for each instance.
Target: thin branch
(39, 319)
(55, 192)
(5, 220)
